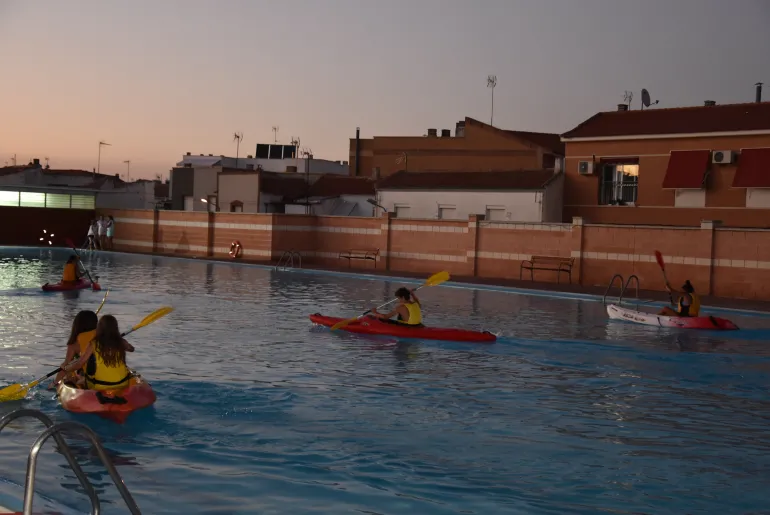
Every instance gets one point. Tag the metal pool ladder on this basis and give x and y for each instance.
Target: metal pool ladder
(55, 431)
(623, 287)
(287, 260)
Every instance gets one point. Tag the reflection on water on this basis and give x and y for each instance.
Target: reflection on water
(259, 411)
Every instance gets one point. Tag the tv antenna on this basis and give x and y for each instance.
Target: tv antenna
(295, 141)
(627, 96)
(403, 158)
(46, 163)
(491, 83)
(646, 99)
(237, 137)
(275, 134)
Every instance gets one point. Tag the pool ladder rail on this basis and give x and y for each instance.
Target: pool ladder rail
(55, 431)
(623, 287)
(287, 260)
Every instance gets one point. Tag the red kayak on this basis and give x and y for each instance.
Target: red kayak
(371, 325)
(80, 284)
(115, 405)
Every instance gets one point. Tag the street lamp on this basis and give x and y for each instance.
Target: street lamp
(127, 162)
(207, 201)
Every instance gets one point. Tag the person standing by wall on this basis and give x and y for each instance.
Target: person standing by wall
(92, 232)
(102, 223)
(110, 231)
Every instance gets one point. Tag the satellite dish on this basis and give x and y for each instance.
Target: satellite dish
(645, 98)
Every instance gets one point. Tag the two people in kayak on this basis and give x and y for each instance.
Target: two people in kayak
(688, 304)
(72, 272)
(96, 354)
(408, 309)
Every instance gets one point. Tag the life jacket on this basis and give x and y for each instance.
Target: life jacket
(694, 308)
(103, 377)
(70, 273)
(83, 339)
(415, 314)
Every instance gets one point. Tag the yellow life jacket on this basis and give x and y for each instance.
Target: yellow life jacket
(415, 314)
(694, 305)
(69, 274)
(107, 377)
(83, 340)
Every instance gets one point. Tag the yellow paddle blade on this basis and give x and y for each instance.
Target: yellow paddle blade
(14, 392)
(436, 279)
(103, 301)
(335, 326)
(152, 317)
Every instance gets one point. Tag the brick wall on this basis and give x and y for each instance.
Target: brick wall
(721, 261)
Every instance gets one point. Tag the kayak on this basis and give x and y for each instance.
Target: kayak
(640, 317)
(80, 284)
(371, 325)
(115, 405)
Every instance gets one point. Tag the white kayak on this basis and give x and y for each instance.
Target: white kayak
(640, 317)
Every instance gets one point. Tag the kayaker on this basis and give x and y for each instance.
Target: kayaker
(105, 357)
(688, 304)
(408, 309)
(71, 272)
(83, 332)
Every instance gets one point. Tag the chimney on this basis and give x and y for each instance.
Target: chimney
(358, 150)
(249, 157)
(432, 133)
(36, 162)
(622, 107)
(446, 133)
(759, 92)
(188, 153)
(460, 129)
(709, 103)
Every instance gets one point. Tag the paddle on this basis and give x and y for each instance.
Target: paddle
(662, 265)
(103, 301)
(433, 280)
(18, 391)
(94, 284)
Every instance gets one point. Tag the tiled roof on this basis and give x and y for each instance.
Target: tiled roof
(274, 184)
(331, 185)
(680, 120)
(546, 140)
(488, 181)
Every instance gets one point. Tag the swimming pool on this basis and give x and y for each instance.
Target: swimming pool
(259, 412)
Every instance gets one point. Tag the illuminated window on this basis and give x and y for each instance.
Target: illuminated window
(32, 199)
(619, 184)
(83, 202)
(57, 200)
(9, 198)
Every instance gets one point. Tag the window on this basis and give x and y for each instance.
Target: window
(57, 200)
(188, 203)
(31, 199)
(755, 198)
(619, 184)
(9, 198)
(83, 202)
(495, 213)
(401, 210)
(447, 212)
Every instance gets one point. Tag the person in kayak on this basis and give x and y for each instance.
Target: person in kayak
(688, 304)
(105, 358)
(83, 331)
(408, 309)
(71, 272)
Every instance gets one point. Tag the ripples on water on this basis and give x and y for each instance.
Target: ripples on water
(259, 412)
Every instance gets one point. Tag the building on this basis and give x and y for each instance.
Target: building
(675, 166)
(196, 177)
(475, 146)
(335, 195)
(507, 196)
(247, 191)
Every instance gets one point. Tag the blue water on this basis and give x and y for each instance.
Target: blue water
(259, 412)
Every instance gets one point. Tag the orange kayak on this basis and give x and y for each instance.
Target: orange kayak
(115, 405)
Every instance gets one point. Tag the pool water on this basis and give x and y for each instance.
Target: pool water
(260, 412)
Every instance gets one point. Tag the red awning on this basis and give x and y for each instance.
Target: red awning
(753, 169)
(686, 169)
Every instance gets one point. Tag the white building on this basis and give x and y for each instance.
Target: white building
(510, 196)
(335, 195)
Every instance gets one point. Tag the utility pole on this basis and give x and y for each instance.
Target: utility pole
(128, 170)
(99, 159)
(491, 83)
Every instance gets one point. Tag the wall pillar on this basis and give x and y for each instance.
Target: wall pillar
(707, 230)
(155, 229)
(473, 243)
(578, 223)
(386, 236)
(210, 221)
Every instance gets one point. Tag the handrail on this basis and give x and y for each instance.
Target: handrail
(287, 259)
(74, 427)
(625, 287)
(63, 448)
(612, 281)
(624, 284)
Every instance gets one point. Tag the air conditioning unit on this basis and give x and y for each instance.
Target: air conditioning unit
(585, 168)
(722, 157)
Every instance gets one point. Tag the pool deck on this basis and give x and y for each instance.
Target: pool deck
(543, 287)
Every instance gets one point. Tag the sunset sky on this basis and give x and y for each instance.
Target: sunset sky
(159, 78)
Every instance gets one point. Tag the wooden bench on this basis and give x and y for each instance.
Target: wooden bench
(552, 263)
(364, 254)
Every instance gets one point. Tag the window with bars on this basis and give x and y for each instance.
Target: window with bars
(46, 200)
(619, 184)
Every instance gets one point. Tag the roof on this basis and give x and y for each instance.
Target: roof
(495, 180)
(274, 184)
(546, 140)
(686, 169)
(753, 169)
(680, 120)
(331, 185)
(161, 189)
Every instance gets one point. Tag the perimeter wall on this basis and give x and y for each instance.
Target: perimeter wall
(727, 262)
